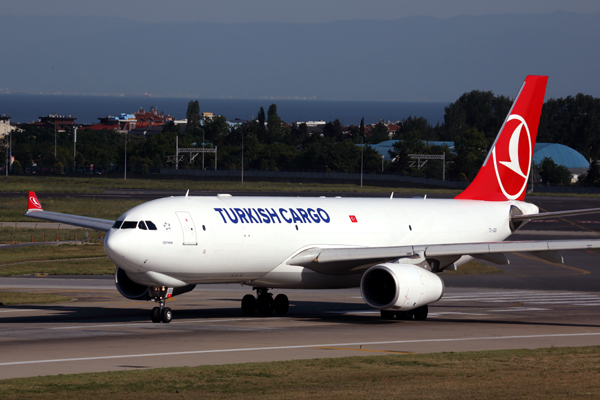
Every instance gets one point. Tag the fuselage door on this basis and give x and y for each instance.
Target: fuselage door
(188, 227)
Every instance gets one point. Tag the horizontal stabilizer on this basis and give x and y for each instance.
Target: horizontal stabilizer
(554, 214)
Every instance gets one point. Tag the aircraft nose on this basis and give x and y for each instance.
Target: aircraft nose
(116, 246)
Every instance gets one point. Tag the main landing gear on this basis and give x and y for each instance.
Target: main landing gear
(264, 303)
(419, 313)
(160, 313)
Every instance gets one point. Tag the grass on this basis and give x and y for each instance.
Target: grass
(551, 373)
(66, 259)
(27, 235)
(91, 185)
(17, 298)
(12, 209)
(474, 267)
(52, 184)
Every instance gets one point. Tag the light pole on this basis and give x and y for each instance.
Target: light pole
(7, 152)
(55, 140)
(382, 157)
(242, 130)
(125, 171)
(362, 146)
(74, 147)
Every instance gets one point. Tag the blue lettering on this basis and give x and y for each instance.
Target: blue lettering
(242, 216)
(281, 211)
(235, 221)
(295, 216)
(248, 212)
(273, 215)
(325, 218)
(313, 215)
(265, 217)
(303, 214)
(220, 211)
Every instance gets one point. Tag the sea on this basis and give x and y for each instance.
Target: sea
(24, 108)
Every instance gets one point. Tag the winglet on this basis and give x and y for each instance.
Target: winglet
(504, 173)
(34, 204)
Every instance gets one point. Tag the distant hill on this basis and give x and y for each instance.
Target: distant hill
(412, 59)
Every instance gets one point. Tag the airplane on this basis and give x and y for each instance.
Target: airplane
(393, 249)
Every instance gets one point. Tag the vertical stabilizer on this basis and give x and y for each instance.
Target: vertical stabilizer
(506, 169)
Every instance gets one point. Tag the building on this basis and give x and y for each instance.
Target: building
(5, 125)
(59, 122)
(563, 155)
(141, 122)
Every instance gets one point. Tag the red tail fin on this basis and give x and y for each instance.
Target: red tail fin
(504, 173)
(34, 203)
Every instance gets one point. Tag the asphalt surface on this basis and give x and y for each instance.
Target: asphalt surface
(531, 304)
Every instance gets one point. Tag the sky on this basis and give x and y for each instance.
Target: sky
(304, 55)
(235, 11)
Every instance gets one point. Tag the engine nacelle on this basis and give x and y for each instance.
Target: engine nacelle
(400, 287)
(135, 291)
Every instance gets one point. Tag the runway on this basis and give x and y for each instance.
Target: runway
(531, 304)
(101, 331)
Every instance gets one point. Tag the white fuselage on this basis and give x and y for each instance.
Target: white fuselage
(226, 239)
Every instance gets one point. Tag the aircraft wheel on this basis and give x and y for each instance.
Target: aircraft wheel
(155, 315)
(387, 314)
(404, 315)
(264, 304)
(248, 304)
(166, 315)
(421, 313)
(281, 304)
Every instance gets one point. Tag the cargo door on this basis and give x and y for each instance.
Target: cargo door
(189, 230)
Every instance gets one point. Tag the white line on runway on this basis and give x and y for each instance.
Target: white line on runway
(305, 346)
(152, 324)
(520, 309)
(451, 313)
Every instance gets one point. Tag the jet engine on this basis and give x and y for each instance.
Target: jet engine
(400, 287)
(134, 291)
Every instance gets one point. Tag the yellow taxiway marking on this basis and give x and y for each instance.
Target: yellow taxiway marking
(361, 349)
(573, 223)
(581, 271)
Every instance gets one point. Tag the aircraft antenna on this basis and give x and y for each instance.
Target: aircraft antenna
(186, 193)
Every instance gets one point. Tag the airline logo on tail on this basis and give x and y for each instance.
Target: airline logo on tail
(504, 173)
(519, 152)
(34, 203)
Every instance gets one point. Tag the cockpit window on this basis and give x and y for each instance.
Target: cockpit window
(129, 225)
(151, 225)
(117, 224)
(142, 225)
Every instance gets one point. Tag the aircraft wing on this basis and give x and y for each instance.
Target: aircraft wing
(34, 210)
(77, 220)
(357, 259)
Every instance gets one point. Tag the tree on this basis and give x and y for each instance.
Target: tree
(334, 130)
(554, 174)
(193, 116)
(420, 124)
(378, 134)
(261, 121)
(471, 148)
(478, 110)
(274, 124)
(592, 177)
(574, 122)
(361, 129)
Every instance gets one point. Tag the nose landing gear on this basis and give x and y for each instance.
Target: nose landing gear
(160, 313)
(264, 303)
